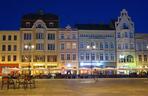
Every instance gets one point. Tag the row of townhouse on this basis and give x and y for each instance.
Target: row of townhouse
(42, 46)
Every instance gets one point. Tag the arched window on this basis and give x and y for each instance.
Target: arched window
(130, 58)
(125, 26)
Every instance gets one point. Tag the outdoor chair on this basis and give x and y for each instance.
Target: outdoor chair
(8, 81)
(30, 82)
(4, 82)
(21, 82)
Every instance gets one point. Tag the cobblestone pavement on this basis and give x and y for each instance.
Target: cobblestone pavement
(83, 87)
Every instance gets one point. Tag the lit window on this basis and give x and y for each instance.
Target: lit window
(74, 46)
(68, 46)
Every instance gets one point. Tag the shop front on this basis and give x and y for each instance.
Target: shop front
(5, 68)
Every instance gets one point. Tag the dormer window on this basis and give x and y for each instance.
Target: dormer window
(51, 24)
(39, 24)
(28, 24)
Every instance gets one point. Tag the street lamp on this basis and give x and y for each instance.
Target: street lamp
(29, 47)
(91, 48)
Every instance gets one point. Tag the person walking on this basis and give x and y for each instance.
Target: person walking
(95, 75)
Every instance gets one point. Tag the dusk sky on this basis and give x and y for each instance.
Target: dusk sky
(75, 11)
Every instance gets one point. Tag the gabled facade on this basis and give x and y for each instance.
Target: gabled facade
(44, 47)
(125, 41)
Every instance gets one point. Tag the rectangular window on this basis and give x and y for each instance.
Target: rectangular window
(14, 58)
(119, 46)
(81, 45)
(39, 58)
(106, 45)
(106, 57)
(73, 56)
(112, 57)
(68, 46)
(118, 35)
(62, 46)
(52, 58)
(27, 36)
(39, 46)
(126, 35)
(111, 45)
(39, 35)
(126, 46)
(131, 46)
(9, 37)
(14, 48)
(62, 36)
(82, 57)
(74, 45)
(51, 46)
(62, 57)
(9, 47)
(145, 58)
(68, 56)
(131, 35)
(93, 56)
(9, 58)
(101, 46)
(140, 58)
(4, 37)
(51, 36)
(87, 56)
(15, 37)
(3, 47)
(3, 58)
(73, 36)
(101, 56)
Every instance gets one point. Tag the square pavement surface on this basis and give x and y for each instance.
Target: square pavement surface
(83, 87)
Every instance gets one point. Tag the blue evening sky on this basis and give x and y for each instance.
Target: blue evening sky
(74, 11)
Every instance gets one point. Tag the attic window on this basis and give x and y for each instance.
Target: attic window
(51, 24)
(39, 26)
(125, 26)
(28, 24)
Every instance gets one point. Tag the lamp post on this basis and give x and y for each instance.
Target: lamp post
(91, 48)
(29, 47)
